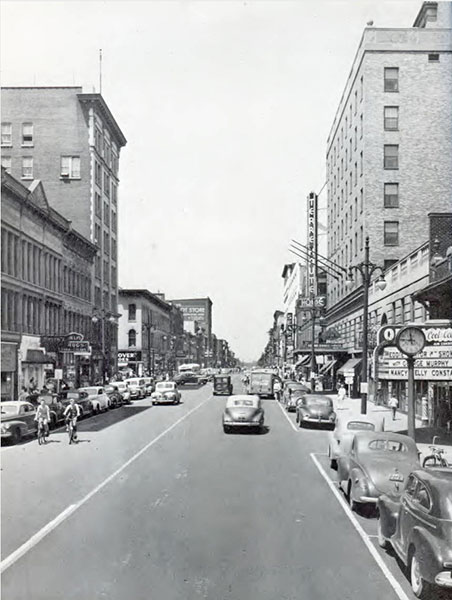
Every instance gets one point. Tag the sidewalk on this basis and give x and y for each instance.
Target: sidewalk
(424, 434)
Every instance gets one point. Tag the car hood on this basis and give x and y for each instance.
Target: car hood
(380, 468)
(242, 412)
(317, 410)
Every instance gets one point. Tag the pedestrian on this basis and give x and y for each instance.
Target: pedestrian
(277, 389)
(341, 393)
(393, 404)
(23, 394)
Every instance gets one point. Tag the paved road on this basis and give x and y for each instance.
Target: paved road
(195, 514)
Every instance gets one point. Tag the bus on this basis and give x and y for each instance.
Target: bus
(261, 383)
(190, 368)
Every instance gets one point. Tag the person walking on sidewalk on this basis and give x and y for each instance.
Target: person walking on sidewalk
(341, 393)
(393, 405)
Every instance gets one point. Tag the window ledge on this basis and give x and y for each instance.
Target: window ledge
(27, 145)
(6, 145)
(28, 178)
(62, 178)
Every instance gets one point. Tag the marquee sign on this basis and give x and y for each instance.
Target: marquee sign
(312, 244)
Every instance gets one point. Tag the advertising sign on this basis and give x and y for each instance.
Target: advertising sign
(129, 356)
(317, 302)
(77, 347)
(312, 244)
(289, 328)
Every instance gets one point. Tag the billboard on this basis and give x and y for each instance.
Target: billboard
(197, 310)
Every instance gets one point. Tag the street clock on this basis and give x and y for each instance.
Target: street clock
(410, 340)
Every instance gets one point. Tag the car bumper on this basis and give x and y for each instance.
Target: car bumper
(6, 435)
(242, 424)
(367, 499)
(444, 579)
(319, 420)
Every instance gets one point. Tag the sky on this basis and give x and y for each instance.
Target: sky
(226, 107)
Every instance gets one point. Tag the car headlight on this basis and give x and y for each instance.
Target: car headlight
(332, 417)
(227, 419)
(4, 428)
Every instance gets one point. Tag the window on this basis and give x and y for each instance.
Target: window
(98, 140)
(391, 195)
(98, 174)
(356, 100)
(388, 263)
(132, 312)
(7, 137)
(361, 200)
(70, 167)
(132, 338)
(356, 137)
(97, 239)
(6, 163)
(113, 248)
(107, 185)
(106, 214)
(106, 273)
(433, 58)
(361, 164)
(391, 80)
(391, 156)
(27, 134)
(114, 193)
(113, 220)
(106, 243)
(97, 204)
(422, 497)
(27, 167)
(361, 126)
(391, 233)
(391, 118)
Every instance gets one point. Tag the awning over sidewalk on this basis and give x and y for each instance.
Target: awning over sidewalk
(349, 367)
(327, 367)
(37, 357)
(303, 361)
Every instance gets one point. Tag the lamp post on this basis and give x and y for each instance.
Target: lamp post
(149, 328)
(367, 269)
(102, 315)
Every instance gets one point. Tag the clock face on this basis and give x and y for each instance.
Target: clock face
(411, 340)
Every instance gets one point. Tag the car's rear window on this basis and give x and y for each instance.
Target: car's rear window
(243, 403)
(164, 386)
(361, 425)
(388, 446)
(318, 402)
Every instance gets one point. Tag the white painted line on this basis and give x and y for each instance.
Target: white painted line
(287, 417)
(37, 537)
(380, 562)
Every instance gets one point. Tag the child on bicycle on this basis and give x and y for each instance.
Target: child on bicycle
(71, 414)
(43, 416)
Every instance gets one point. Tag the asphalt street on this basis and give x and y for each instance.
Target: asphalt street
(157, 503)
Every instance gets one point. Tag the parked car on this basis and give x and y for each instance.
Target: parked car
(293, 389)
(243, 411)
(99, 398)
(56, 408)
(149, 385)
(222, 385)
(344, 431)
(114, 395)
(81, 398)
(137, 387)
(17, 420)
(418, 525)
(377, 463)
(315, 410)
(122, 389)
(166, 392)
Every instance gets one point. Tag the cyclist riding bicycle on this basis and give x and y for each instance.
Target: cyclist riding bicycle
(71, 414)
(43, 415)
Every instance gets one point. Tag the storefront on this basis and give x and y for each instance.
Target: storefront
(130, 362)
(73, 355)
(9, 371)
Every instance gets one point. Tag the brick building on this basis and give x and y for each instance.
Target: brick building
(46, 268)
(71, 142)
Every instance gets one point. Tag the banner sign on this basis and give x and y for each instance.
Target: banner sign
(289, 328)
(316, 302)
(312, 244)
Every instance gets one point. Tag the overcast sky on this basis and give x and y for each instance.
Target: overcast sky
(226, 107)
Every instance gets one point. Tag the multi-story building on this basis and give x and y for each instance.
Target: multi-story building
(71, 142)
(198, 321)
(144, 332)
(389, 150)
(389, 153)
(46, 291)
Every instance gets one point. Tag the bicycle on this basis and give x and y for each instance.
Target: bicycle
(72, 431)
(436, 458)
(42, 437)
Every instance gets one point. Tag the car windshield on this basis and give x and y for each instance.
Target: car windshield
(89, 390)
(360, 425)
(318, 402)
(242, 403)
(161, 387)
(388, 446)
(9, 409)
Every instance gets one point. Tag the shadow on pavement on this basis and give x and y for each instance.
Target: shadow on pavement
(248, 431)
(106, 419)
(424, 435)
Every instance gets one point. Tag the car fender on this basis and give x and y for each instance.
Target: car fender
(428, 551)
(18, 424)
(389, 511)
(343, 467)
(355, 474)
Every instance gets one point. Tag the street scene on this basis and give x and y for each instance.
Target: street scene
(226, 300)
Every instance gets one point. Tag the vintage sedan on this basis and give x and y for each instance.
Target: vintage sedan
(99, 398)
(344, 431)
(315, 410)
(17, 420)
(292, 390)
(114, 395)
(243, 411)
(122, 389)
(187, 378)
(166, 392)
(418, 525)
(81, 398)
(377, 463)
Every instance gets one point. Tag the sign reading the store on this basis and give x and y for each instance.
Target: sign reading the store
(316, 302)
(129, 356)
(77, 347)
(312, 244)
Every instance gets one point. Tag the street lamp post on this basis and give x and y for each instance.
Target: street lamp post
(367, 269)
(102, 315)
(149, 327)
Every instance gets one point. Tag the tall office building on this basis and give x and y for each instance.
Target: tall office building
(71, 142)
(389, 151)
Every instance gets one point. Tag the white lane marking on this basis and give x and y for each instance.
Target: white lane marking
(37, 537)
(287, 417)
(380, 562)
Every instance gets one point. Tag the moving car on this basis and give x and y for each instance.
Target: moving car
(99, 398)
(137, 387)
(222, 385)
(418, 525)
(166, 392)
(243, 411)
(261, 383)
(315, 410)
(377, 463)
(344, 431)
(17, 420)
(187, 378)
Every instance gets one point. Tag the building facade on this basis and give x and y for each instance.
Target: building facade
(390, 147)
(197, 314)
(46, 272)
(71, 142)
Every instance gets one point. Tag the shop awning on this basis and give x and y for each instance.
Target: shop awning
(327, 367)
(35, 356)
(303, 361)
(349, 367)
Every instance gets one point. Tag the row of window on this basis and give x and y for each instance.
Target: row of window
(70, 166)
(26, 137)
(104, 182)
(109, 247)
(107, 301)
(105, 149)
(109, 272)
(76, 284)
(109, 216)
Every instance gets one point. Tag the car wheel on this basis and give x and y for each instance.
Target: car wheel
(17, 436)
(353, 504)
(420, 587)
(382, 541)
